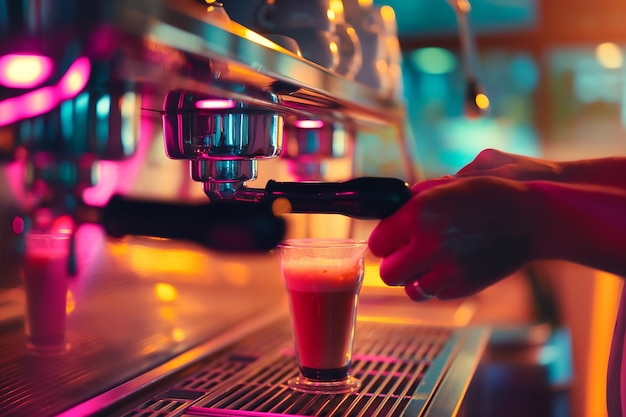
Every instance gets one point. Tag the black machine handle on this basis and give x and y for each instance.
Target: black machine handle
(243, 226)
(223, 226)
(361, 198)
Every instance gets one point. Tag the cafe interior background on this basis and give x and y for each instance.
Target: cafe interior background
(554, 76)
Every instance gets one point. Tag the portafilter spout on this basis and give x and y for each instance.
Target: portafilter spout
(223, 138)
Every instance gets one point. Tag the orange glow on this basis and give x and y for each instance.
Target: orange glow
(463, 6)
(463, 315)
(70, 303)
(167, 313)
(371, 276)
(604, 310)
(185, 263)
(165, 292)
(175, 261)
(237, 273)
(482, 101)
(391, 320)
(281, 206)
(118, 248)
(261, 40)
(382, 66)
(178, 334)
(336, 7)
(388, 14)
(609, 55)
(334, 47)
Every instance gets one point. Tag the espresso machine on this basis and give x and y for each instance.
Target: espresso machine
(174, 301)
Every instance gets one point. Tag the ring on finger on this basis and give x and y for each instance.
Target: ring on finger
(416, 291)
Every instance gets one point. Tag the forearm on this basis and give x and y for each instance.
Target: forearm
(602, 171)
(580, 223)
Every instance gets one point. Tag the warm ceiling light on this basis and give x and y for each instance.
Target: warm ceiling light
(609, 55)
(482, 101)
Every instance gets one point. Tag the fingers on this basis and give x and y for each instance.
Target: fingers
(486, 160)
(393, 232)
(443, 281)
(508, 171)
(386, 238)
(404, 264)
(428, 184)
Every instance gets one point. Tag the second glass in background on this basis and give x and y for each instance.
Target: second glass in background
(45, 275)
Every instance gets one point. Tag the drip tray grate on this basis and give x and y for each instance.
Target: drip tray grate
(391, 362)
(400, 367)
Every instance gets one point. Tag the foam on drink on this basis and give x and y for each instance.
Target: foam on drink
(322, 275)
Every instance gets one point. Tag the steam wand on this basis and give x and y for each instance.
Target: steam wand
(473, 89)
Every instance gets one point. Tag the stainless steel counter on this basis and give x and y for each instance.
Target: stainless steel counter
(166, 328)
(134, 305)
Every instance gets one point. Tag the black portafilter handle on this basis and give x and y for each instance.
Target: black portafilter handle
(222, 226)
(362, 198)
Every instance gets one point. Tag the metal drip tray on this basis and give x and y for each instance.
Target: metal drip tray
(406, 370)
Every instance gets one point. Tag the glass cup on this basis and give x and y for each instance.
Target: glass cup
(45, 275)
(323, 278)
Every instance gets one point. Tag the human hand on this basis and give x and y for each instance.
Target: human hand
(455, 237)
(506, 165)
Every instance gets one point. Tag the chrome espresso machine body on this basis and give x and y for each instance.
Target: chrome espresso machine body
(174, 304)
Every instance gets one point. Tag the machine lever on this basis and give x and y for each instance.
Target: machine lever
(361, 198)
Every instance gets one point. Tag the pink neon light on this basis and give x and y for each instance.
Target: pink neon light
(309, 124)
(42, 100)
(62, 225)
(18, 225)
(99, 194)
(215, 104)
(24, 71)
(39, 101)
(75, 79)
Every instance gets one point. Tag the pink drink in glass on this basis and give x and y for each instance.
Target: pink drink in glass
(45, 284)
(323, 279)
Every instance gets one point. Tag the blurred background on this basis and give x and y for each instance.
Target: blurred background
(555, 77)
